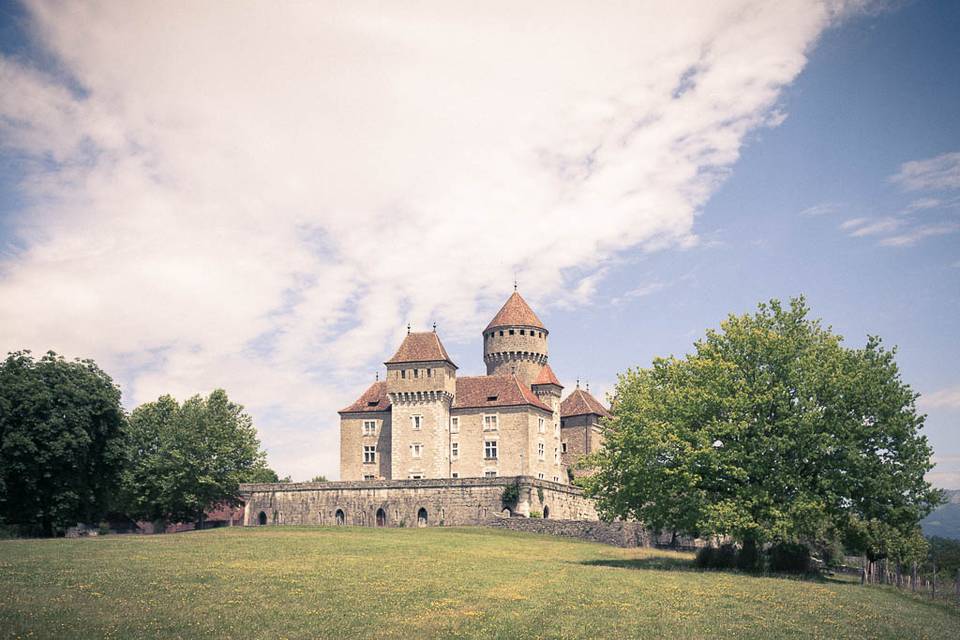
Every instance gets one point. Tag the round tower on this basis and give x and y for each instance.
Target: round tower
(515, 342)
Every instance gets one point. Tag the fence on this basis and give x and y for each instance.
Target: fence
(927, 581)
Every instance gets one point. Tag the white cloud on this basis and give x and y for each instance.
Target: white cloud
(859, 227)
(641, 291)
(260, 197)
(825, 208)
(918, 233)
(948, 398)
(939, 172)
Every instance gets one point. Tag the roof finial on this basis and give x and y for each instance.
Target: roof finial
(578, 383)
(434, 327)
(408, 328)
(377, 376)
(588, 386)
(514, 281)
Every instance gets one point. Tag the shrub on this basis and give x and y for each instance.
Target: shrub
(790, 557)
(511, 494)
(749, 558)
(104, 528)
(536, 514)
(724, 557)
(540, 494)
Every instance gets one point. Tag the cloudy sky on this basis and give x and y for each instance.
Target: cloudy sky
(260, 196)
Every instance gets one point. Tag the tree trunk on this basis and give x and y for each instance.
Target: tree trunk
(913, 577)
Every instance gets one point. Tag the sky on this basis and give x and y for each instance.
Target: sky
(260, 196)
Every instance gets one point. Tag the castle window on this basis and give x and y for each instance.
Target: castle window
(416, 476)
(556, 456)
(540, 475)
(490, 449)
(563, 447)
(454, 425)
(454, 475)
(541, 451)
(369, 453)
(416, 373)
(416, 422)
(540, 425)
(369, 477)
(454, 450)
(511, 331)
(403, 373)
(489, 474)
(555, 479)
(501, 333)
(539, 334)
(523, 333)
(416, 450)
(492, 398)
(429, 373)
(369, 427)
(489, 423)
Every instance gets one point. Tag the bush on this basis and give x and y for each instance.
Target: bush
(790, 557)
(511, 494)
(749, 558)
(536, 514)
(104, 528)
(540, 494)
(724, 557)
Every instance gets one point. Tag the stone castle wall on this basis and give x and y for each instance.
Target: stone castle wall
(444, 502)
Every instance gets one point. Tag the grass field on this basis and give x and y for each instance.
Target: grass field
(409, 583)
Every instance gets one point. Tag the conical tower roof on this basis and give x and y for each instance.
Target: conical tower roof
(546, 376)
(515, 313)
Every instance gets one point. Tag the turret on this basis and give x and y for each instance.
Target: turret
(421, 384)
(515, 341)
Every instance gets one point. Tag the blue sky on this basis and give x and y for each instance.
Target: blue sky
(261, 200)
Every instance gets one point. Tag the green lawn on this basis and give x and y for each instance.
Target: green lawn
(304, 582)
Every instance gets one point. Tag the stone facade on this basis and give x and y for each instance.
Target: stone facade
(408, 503)
(423, 421)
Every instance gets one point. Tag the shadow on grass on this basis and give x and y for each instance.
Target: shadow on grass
(662, 563)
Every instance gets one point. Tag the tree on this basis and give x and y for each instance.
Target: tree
(61, 441)
(185, 459)
(262, 474)
(320, 478)
(771, 430)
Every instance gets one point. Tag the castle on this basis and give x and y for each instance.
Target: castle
(425, 447)
(423, 421)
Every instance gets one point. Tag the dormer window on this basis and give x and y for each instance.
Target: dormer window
(492, 398)
(373, 403)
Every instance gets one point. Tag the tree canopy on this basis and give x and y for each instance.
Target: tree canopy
(771, 430)
(61, 441)
(185, 459)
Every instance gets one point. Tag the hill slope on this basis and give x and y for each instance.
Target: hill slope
(403, 583)
(945, 521)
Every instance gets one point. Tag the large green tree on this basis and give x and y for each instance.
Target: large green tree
(771, 430)
(61, 441)
(186, 458)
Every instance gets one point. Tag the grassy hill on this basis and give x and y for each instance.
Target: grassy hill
(945, 521)
(403, 583)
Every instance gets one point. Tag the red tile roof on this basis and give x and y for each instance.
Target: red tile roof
(373, 399)
(420, 347)
(546, 376)
(581, 403)
(515, 312)
(505, 391)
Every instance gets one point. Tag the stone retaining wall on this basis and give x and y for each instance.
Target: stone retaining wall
(409, 503)
(620, 534)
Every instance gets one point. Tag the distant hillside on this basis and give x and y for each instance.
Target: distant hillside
(945, 521)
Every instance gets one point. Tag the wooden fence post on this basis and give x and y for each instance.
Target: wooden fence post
(913, 577)
(933, 583)
(899, 582)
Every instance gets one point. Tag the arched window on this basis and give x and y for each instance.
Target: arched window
(422, 517)
(546, 512)
(340, 518)
(381, 518)
(262, 518)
